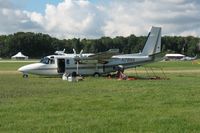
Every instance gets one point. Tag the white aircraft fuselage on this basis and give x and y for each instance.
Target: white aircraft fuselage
(87, 64)
(58, 64)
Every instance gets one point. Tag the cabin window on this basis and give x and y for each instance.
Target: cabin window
(67, 61)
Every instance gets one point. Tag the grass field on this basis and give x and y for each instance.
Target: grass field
(40, 104)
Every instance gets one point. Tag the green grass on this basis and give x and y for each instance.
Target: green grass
(13, 65)
(39, 104)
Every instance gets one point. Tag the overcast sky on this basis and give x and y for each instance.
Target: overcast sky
(97, 18)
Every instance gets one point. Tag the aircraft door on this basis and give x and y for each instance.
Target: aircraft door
(61, 65)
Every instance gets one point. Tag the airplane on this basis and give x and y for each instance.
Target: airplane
(180, 57)
(95, 64)
(187, 58)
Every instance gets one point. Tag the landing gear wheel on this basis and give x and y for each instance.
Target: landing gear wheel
(96, 75)
(25, 75)
(109, 75)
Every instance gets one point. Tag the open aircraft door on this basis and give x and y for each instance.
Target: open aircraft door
(61, 65)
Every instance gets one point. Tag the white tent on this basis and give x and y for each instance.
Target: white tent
(19, 55)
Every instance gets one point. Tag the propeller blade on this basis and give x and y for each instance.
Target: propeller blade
(81, 53)
(74, 51)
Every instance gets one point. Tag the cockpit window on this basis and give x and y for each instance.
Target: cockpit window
(52, 61)
(67, 61)
(45, 60)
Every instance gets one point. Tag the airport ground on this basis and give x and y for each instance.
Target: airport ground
(41, 104)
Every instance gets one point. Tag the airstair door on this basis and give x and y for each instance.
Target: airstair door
(61, 65)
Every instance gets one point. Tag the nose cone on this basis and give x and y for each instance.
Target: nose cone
(30, 68)
(22, 69)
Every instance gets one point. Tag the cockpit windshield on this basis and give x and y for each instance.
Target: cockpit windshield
(45, 60)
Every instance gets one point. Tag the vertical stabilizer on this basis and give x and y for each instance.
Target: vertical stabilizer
(153, 43)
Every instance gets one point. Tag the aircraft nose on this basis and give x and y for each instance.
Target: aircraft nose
(22, 69)
(31, 68)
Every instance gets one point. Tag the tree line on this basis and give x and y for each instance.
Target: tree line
(37, 45)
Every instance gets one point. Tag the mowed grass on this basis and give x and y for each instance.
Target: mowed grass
(100, 105)
(13, 65)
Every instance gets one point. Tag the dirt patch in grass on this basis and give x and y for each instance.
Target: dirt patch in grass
(9, 72)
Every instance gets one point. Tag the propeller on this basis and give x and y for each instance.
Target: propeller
(77, 57)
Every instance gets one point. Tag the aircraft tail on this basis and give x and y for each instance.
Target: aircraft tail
(153, 43)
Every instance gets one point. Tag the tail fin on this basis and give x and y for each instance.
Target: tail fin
(153, 43)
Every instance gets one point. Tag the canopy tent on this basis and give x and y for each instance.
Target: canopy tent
(19, 55)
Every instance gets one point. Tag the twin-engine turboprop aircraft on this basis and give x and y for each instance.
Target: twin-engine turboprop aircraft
(95, 64)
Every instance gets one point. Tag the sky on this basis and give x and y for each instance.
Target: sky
(97, 18)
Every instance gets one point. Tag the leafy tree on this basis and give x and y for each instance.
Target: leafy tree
(37, 45)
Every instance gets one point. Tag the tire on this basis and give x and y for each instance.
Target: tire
(109, 75)
(25, 75)
(96, 75)
(74, 74)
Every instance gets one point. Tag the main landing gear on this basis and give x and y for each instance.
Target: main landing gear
(96, 74)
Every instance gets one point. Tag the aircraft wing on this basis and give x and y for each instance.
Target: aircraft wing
(102, 56)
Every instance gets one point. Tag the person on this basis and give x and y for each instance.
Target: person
(121, 75)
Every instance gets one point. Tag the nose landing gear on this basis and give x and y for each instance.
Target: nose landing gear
(25, 75)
